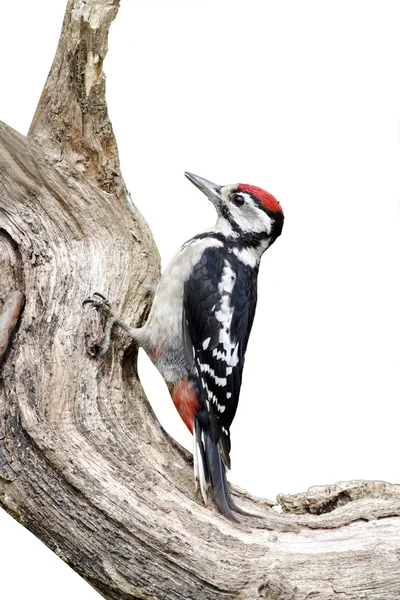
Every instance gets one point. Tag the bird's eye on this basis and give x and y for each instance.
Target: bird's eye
(237, 200)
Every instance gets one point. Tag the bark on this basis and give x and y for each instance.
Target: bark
(84, 463)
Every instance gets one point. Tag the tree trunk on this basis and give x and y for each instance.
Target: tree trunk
(84, 464)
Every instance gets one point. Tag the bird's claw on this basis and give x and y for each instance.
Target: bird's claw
(97, 351)
(98, 301)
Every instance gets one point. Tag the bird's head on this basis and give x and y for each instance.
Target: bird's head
(246, 213)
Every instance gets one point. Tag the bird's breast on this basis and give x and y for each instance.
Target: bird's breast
(162, 336)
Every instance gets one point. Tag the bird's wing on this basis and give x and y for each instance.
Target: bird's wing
(219, 305)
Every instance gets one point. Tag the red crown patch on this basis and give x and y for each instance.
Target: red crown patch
(267, 200)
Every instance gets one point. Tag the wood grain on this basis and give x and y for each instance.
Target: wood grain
(84, 464)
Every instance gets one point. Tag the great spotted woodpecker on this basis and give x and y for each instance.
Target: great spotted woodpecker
(200, 321)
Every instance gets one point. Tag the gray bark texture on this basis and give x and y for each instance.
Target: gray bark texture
(84, 464)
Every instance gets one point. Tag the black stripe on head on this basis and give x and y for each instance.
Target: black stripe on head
(277, 225)
(227, 215)
(276, 216)
(245, 240)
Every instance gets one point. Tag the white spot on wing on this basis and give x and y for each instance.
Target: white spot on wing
(224, 316)
(206, 343)
(211, 397)
(204, 368)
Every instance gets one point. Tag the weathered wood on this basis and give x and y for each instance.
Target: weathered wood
(9, 316)
(72, 118)
(84, 463)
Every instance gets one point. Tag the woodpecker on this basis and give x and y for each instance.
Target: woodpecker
(200, 321)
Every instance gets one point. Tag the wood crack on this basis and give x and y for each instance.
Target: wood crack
(9, 317)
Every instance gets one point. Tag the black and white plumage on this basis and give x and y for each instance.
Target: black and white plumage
(200, 321)
(219, 302)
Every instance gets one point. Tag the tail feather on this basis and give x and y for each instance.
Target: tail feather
(209, 469)
(217, 473)
(201, 476)
(225, 448)
(234, 506)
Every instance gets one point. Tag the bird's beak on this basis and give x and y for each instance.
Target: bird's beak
(211, 190)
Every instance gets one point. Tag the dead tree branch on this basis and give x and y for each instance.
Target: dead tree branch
(84, 463)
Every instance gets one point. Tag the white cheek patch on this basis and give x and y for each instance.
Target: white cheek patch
(251, 217)
(267, 221)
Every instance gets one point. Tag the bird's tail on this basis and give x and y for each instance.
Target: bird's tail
(210, 471)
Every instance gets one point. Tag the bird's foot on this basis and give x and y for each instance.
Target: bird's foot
(100, 302)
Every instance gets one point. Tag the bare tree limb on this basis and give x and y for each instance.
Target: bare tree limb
(84, 463)
(72, 117)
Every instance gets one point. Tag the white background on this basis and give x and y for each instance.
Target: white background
(301, 98)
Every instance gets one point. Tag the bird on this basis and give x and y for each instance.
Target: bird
(200, 321)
